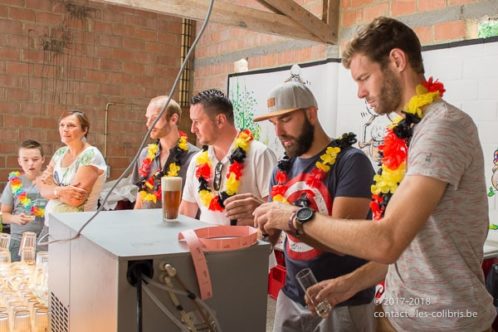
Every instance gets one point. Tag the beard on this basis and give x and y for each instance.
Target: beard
(390, 94)
(160, 132)
(302, 143)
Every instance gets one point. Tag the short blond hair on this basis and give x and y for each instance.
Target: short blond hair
(159, 102)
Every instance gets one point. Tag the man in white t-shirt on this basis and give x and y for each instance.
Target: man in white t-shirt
(230, 177)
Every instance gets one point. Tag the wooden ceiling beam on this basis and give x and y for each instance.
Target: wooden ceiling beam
(331, 14)
(325, 10)
(325, 31)
(273, 9)
(227, 13)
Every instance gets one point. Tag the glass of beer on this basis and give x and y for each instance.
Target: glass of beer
(171, 187)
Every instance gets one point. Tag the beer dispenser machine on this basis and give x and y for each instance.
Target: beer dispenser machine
(89, 290)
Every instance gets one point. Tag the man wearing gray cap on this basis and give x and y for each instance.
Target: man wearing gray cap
(323, 175)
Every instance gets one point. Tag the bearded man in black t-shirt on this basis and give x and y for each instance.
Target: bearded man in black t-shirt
(323, 175)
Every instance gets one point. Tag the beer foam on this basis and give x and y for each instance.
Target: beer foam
(171, 183)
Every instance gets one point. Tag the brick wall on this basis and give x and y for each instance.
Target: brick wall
(435, 22)
(113, 55)
(124, 57)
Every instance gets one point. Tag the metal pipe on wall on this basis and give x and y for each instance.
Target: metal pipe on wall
(106, 121)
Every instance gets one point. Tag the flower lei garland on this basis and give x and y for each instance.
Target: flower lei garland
(317, 174)
(213, 201)
(150, 188)
(394, 150)
(17, 191)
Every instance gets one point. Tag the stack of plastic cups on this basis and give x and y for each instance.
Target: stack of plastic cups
(4, 269)
(17, 293)
(23, 288)
(39, 279)
(39, 287)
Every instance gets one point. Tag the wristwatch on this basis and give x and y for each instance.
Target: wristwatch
(303, 215)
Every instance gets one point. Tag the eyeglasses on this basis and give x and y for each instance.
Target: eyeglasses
(217, 176)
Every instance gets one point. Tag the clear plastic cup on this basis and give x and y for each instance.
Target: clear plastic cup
(4, 322)
(4, 256)
(306, 279)
(28, 255)
(39, 319)
(4, 241)
(42, 258)
(28, 240)
(21, 320)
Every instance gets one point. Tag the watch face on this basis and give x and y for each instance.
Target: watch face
(304, 214)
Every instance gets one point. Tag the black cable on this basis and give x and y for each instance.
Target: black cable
(137, 270)
(146, 136)
(139, 305)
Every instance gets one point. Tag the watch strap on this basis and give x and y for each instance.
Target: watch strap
(290, 224)
(299, 229)
(300, 223)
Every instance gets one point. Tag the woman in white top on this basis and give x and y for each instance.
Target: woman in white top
(74, 178)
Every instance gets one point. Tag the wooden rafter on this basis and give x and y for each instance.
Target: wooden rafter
(331, 14)
(326, 30)
(271, 8)
(289, 19)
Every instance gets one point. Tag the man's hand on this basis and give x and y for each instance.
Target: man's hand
(23, 219)
(273, 216)
(242, 206)
(271, 237)
(334, 291)
(342, 288)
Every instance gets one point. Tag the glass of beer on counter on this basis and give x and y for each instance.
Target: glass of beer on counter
(171, 187)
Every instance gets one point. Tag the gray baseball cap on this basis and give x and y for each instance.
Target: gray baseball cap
(287, 97)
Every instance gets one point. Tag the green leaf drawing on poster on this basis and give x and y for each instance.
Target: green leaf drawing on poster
(488, 29)
(243, 104)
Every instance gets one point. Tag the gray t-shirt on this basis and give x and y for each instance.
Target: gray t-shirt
(437, 283)
(8, 198)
